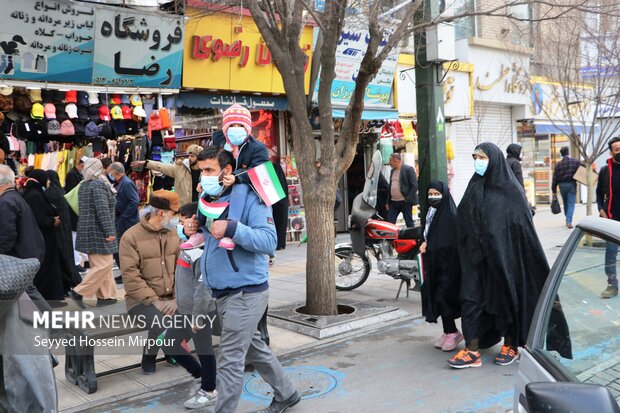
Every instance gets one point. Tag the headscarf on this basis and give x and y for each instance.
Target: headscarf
(53, 177)
(93, 169)
(38, 175)
(514, 150)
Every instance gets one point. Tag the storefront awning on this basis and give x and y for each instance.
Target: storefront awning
(213, 101)
(561, 129)
(370, 114)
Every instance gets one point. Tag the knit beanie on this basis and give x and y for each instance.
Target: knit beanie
(237, 114)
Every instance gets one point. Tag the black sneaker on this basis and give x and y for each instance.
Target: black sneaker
(279, 407)
(465, 359)
(76, 297)
(506, 356)
(118, 280)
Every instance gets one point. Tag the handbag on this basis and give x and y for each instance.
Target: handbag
(580, 176)
(72, 199)
(555, 205)
(16, 275)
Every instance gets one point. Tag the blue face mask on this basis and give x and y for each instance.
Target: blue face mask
(236, 135)
(111, 177)
(228, 147)
(180, 232)
(211, 185)
(481, 166)
(171, 224)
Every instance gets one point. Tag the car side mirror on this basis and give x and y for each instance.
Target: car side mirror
(564, 397)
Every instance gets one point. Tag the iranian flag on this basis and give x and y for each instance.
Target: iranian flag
(266, 183)
(212, 210)
(421, 269)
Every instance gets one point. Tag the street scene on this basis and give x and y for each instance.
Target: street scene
(289, 205)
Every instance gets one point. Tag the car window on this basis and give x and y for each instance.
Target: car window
(582, 329)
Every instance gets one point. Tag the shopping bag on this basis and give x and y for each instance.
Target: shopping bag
(555, 205)
(580, 176)
(72, 199)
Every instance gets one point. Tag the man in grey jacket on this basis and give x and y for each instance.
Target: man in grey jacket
(403, 190)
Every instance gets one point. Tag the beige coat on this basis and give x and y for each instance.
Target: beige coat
(148, 259)
(182, 175)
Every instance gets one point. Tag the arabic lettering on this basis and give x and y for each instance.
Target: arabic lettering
(150, 71)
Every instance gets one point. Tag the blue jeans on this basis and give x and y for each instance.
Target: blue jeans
(396, 207)
(611, 256)
(569, 194)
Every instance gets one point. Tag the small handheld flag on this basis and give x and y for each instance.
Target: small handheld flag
(421, 269)
(266, 183)
(212, 210)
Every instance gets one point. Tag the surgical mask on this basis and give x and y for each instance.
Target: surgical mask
(111, 177)
(617, 157)
(481, 166)
(211, 185)
(434, 200)
(180, 232)
(236, 135)
(171, 224)
(228, 147)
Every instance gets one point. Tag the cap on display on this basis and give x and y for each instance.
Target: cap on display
(71, 110)
(136, 100)
(66, 128)
(139, 112)
(104, 113)
(71, 96)
(35, 95)
(50, 111)
(126, 112)
(93, 98)
(37, 111)
(91, 130)
(116, 112)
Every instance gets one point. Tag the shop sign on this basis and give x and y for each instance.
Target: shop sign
(548, 103)
(137, 50)
(47, 41)
(228, 53)
(350, 51)
(250, 102)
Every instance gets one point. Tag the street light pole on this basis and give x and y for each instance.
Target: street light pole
(430, 110)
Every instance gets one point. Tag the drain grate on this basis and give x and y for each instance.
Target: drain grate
(310, 382)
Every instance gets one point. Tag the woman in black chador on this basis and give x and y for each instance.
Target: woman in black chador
(442, 281)
(503, 264)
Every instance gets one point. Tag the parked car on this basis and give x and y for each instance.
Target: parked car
(571, 361)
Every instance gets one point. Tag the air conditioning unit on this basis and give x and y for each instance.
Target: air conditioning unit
(440, 45)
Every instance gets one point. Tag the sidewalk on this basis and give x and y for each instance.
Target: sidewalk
(287, 285)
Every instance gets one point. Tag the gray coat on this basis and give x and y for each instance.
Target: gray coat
(96, 220)
(191, 293)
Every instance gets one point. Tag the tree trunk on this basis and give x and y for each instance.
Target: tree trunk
(591, 186)
(320, 264)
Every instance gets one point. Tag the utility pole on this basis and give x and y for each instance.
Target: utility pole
(431, 116)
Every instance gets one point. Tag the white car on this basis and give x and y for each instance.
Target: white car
(571, 362)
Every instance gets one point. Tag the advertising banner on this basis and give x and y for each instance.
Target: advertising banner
(47, 41)
(137, 50)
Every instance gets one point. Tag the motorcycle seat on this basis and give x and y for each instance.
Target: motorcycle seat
(410, 233)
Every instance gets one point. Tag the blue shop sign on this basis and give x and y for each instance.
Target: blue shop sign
(211, 100)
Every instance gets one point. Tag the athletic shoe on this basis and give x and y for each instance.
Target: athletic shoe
(76, 297)
(226, 243)
(451, 341)
(272, 260)
(195, 241)
(102, 302)
(465, 359)
(439, 342)
(279, 407)
(201, 399)
(148, 364)
(507, 356)
(610, 291)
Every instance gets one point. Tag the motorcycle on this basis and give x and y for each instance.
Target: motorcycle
(371, 235)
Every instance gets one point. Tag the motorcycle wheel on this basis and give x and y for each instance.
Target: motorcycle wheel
(352, 270)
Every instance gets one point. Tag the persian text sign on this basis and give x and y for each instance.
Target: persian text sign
(349, 54)
(138, 50)
(46, 41)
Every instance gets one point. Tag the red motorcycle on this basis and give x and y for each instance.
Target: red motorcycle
(395, 249)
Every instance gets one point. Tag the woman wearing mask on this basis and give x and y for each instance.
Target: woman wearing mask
(503, 264)
(442, 281)
(56, 196)
(96, 235)
(49, 278)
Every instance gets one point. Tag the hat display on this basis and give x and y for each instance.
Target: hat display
(135, 100)
(59, 96)
(61, 114)
(35, 95)
(104, 113)
(166, 200)
(71, 96)
(237, 114)
(93, 98)
(91, 130)
(53, 127)
(47, 95)
(124, 99)
(139, 112)
(22, 105)
(50, 111)
(82, 113)
(93, 112)
(6, 103)
(194, 149)
(103, 98)
(37, 111)
(115, 99)
(116, 112)
(6, 90)
(71, 110)
(131, 126)
(119, 126)
(126, 112)
(82, 98)
(67, 128)
(106, 131)
(78, 127)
